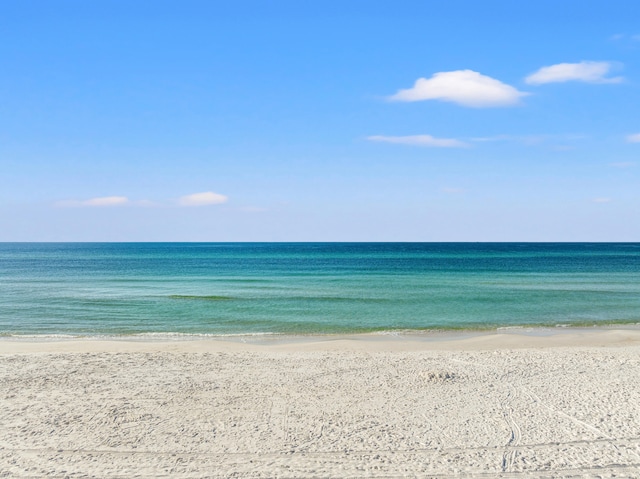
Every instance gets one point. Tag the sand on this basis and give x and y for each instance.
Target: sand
(543, 405)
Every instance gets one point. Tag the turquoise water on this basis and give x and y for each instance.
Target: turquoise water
(301, 288)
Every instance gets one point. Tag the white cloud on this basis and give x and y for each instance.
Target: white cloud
(590, 72)
(203, 199)
(420, 140)
(635, 138)
(602, 200)
(100, 202)
(452, 191)
(464, 87)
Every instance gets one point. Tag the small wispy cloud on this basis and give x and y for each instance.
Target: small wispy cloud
(420, 140)
(103, 201)
(586, 71)
(624, 37)
(524, 139)
(623, 164)
(452, 191)
(531, 140)
(559, 142)
(107, 201)
(483, 139)
(633, 138)
(464, 87)
(203, 199)
(145, 203)
(252, 209)
(196, 199)
(602, 200)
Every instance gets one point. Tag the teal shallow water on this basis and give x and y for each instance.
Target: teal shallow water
(306, 288)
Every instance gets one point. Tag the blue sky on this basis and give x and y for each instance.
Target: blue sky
(320, 121)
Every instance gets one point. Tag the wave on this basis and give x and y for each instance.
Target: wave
(202, 298)
(282, 297)
(384, 331)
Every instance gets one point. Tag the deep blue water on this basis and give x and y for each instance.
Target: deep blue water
(299, 288)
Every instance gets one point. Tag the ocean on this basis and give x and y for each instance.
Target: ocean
(156, 289)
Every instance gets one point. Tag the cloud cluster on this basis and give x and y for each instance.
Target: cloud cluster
(589, 72)
(420, 140)
(464, 87)
(473, 89)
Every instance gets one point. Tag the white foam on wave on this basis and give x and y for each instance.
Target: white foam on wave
(41, 336)
(181, 336)
(165, 336)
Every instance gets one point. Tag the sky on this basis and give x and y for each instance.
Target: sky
(320, 121)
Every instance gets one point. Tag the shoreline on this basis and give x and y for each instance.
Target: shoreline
(459, 340)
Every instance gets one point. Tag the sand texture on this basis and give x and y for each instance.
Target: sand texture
(332, 411)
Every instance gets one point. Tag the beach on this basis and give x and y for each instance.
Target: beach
(522, 403)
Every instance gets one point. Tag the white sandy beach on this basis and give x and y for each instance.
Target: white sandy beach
(554, 405)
